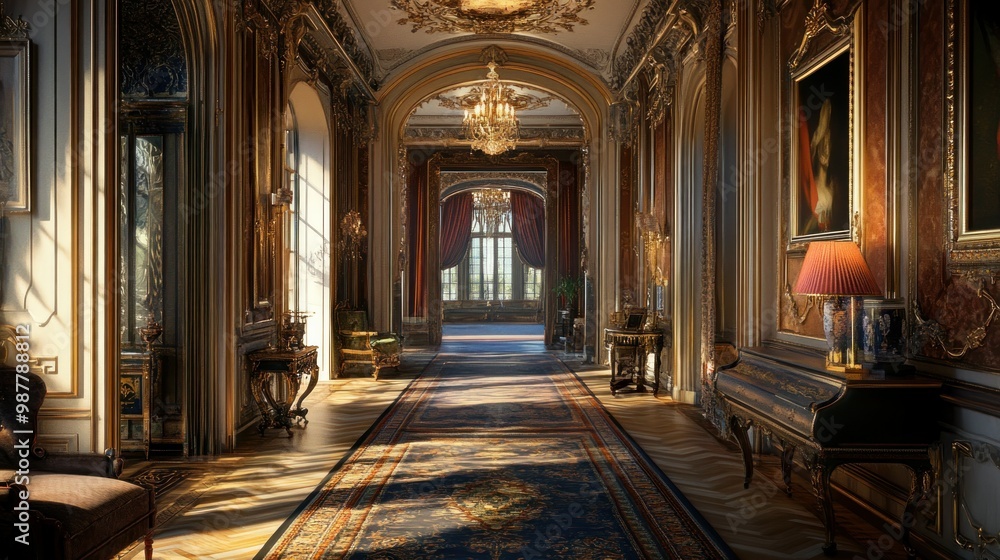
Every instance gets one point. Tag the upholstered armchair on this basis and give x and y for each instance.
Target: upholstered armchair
(359, 345)
(64, 506)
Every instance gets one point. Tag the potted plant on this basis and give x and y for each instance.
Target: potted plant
(566, 288)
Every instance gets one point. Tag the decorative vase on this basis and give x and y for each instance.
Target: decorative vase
(884, 327)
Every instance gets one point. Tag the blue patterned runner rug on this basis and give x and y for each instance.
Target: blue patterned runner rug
(502, 458)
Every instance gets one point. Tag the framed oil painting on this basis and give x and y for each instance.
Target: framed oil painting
(14, 118)
(822, 134)
(973, 176)
(821, 147)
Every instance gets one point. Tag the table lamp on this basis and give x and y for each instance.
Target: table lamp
(838, 271)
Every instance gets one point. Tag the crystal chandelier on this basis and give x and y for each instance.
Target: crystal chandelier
(491, 125)
(490, 208)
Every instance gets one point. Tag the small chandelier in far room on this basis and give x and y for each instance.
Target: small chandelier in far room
(491, 124)
(490, 208)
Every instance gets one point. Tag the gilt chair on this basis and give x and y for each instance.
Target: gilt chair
(70, 506)
(358, 345)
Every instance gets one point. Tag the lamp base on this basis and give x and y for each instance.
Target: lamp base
(851, 371)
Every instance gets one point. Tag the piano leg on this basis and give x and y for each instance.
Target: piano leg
(920, 487)
(820, 474)
(787, 453)
(740, 432)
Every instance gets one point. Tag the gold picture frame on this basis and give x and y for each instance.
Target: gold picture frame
(15, 190)
(823, 130)
(972, 181)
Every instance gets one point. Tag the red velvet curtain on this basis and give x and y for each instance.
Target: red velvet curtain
(528, 227)
(416, 232)
(456, 229)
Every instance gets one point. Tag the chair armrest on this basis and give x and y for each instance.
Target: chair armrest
(88, 464)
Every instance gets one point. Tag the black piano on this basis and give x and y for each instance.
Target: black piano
(830, 420)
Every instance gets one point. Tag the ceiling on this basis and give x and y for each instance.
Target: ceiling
(590, 33)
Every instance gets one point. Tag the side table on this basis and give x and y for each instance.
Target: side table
(291, 365)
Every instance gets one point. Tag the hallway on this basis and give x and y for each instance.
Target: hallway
(229, 508)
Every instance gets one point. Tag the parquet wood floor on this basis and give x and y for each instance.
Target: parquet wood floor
(228, 507)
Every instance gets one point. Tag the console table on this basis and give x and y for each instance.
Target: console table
(631, 349)
(291, 365)
(830, 421)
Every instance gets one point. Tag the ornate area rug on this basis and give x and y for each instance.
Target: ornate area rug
(496, 458)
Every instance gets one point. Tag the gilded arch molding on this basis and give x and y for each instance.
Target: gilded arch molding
(456, 64)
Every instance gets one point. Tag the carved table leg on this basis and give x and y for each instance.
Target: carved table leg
(740, 432)
(820, 473)
(613, 360)
(284, 416)
(787, 455)
(257, 380)
(640, 372)
(313, 378)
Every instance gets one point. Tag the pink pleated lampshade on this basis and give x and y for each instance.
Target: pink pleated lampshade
(836, 268)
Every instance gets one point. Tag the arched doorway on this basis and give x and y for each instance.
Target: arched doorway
(308, 232)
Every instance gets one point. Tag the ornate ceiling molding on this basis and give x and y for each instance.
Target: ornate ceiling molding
(345, 37)
(598, 60)
(481, 16)
(328, 65)
(640, 41)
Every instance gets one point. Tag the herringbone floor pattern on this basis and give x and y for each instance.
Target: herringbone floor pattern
(227, 508)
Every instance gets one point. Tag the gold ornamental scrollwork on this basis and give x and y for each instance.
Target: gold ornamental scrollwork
(11, 28)
(817, 20)
(985, 544)
(792, 306)
(938, 334)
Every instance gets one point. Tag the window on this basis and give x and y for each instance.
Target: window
(449, 284)
(532, 282)
(491, 270)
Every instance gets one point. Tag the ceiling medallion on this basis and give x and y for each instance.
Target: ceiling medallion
(485, 16)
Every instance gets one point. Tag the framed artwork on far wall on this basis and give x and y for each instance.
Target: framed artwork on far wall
(14, 125)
